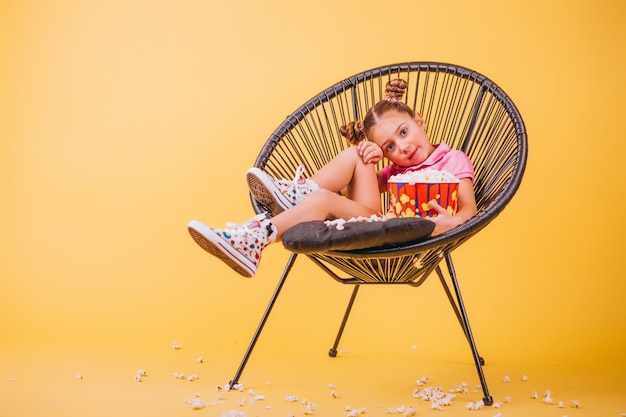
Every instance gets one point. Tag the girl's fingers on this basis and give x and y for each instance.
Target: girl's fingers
(437, 207)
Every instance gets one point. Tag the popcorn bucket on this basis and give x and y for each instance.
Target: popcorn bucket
(411, 199)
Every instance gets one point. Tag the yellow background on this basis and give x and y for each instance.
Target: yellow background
(120, 121)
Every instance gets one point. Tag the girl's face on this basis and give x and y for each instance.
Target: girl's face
(401, 138)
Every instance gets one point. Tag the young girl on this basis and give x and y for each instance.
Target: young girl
(390, 129)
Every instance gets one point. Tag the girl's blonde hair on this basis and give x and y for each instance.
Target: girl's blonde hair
(357, 131)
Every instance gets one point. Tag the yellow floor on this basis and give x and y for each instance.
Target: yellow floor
(286, 375)
(103, 384)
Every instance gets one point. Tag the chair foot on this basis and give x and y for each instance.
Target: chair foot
(332, 353)
(488, 400)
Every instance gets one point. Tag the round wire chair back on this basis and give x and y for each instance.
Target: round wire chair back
(461, 107)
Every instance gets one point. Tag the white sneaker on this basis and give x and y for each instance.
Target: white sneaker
(279, 194)
(239, 246)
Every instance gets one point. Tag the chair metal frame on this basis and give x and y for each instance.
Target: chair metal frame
(461, 107)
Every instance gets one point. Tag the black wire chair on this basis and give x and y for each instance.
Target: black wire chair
(461, 107)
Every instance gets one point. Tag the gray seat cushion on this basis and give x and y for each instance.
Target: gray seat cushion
(317, 236)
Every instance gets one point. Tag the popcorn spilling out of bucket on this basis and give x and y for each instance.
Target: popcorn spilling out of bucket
(410, 193)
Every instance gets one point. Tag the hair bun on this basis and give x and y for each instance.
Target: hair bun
(353, 132)
(394, 90)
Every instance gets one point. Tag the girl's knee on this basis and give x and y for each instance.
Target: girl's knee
(321, 195)
(352, 152)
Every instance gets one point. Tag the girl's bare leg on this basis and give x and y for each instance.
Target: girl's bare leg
(347, 171)
(322, 204)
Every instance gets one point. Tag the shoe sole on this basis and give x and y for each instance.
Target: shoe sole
(265, 192)
(221, 249)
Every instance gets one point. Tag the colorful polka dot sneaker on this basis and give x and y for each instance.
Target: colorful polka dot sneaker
(239, 246)
(279, 194)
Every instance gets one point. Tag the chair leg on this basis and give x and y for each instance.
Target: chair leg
(459, 309)
(268, 310)
(454, 306)
(333, 351)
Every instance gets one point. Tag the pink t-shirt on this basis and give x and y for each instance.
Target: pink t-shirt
(442, 159)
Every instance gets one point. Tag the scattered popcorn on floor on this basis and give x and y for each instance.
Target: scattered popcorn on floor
(79, 376)
(233, 413)
(193, 377)
(524, 378)
(200, 359)
(405, 411)
(547, 397)
(534, 395)
(461, 388)
(291, 398)
(357, 411)
(176, 346)
(475, 406)
(309, 409)
(575, 403)
(506, 379)
(11, 379)
(256, 398)
(560, 404)
(238, 387)
(334, 394)
(437, 397)
(196, 403)
(413, 347)
(179, 375)
(138, 378)
(507, 399)
(409, 412)
(396, 410)
(497, 405)
(423, 380)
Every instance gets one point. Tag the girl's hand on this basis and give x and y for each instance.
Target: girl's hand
(444, 221)
(370, 152)
(466, 209)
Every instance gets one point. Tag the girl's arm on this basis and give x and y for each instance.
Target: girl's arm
(466, 209)
(372, 154)
(382, 182)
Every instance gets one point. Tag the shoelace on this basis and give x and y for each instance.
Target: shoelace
(246, 226)
(299, 172)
